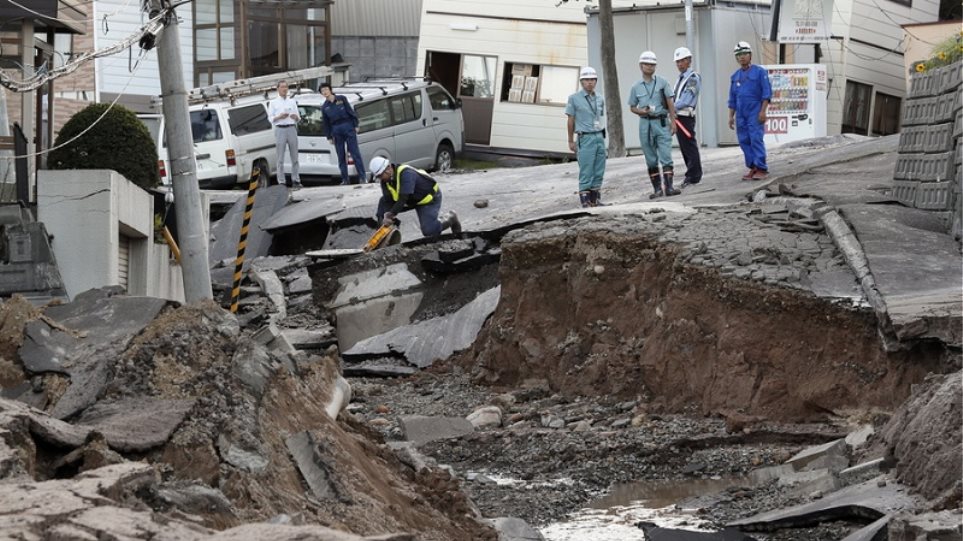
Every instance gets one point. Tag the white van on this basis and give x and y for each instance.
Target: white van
(407, 121)
(230, 138)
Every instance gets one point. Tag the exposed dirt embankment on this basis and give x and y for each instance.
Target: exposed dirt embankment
(604, 307)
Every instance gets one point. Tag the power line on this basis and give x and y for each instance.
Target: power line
(152, 28)
(92, 124)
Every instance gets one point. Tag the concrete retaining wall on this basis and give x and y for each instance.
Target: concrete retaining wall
(928, 174)
(86, 212)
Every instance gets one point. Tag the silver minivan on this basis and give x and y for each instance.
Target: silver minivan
(407, 121)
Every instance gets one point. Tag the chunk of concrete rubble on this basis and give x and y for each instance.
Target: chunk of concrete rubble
(301, 284)
(423, 343)
(423, 429)
(239, 457)
(866, 500)
(373, 317)
(253, 365)
(371, 284)
(273, 289)
(135, 424)
(860, 436)
(656, 533)
(304, 212)
(409, 455)
(317, 473)
(870, 467)
(486, 417)
(340, 397)
(226, 232)
(514, 529)
(435, 264)
(191, 497)
(310, 338)
(271, 337)
(871, 532)
(832, 455)
(809, 481)
(377, 370)
(761, 476)
(934, 526)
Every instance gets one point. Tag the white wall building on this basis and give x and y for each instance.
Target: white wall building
(478, 49)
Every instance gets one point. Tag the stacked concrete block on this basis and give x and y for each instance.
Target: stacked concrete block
(928, 170)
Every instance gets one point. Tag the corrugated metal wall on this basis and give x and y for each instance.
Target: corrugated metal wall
(382, 18)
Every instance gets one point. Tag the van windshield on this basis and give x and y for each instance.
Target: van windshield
(204, 126)
(311, 123)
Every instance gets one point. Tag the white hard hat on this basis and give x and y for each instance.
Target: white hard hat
(742, 47)
(681, 53)
(588, 72)
(378, 165)
(648, 57)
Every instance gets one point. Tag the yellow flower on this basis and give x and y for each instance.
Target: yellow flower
(920, 68)
(941, 55)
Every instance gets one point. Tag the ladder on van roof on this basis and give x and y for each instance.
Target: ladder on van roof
(240, 88)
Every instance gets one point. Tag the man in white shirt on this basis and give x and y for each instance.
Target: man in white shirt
(283, 112)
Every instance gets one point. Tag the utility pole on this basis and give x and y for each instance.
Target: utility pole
(689, 31)
(612, 96)
(183, 168)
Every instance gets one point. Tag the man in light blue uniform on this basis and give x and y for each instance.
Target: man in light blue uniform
(651, 99)
(586, 118)
(749, 94)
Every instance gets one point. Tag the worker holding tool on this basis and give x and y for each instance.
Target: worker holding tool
(686, 93)
(404, 187)
(651, 99)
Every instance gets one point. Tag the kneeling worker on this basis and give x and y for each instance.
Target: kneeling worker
(404, 187)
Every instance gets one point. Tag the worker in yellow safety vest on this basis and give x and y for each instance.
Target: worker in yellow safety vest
(404, 187)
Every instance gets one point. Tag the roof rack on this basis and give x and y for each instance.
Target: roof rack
(231, 90)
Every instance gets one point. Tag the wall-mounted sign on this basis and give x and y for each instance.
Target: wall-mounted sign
(805, 21)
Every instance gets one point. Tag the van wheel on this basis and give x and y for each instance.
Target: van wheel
(445, 158)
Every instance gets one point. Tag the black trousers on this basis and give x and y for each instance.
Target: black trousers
(690, 150)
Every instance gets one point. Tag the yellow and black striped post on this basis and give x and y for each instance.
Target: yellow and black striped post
(242, 242)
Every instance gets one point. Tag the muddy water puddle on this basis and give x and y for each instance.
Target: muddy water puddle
(614, 516)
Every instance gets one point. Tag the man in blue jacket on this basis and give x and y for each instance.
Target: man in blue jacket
(341, 127)
(749, 95)
(404, 188)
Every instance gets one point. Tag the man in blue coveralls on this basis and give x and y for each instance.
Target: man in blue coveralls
(341, 127)
(404, 188)
(586, 118)
(749, 95)
(651, 99)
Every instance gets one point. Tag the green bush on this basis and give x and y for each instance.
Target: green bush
(120, 141)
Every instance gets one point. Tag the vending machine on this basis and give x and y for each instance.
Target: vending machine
(798, 106)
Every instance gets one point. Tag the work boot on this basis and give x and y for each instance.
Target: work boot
(585, 198)
(451, 220)
(597, 199)
(749, 174)
(760, 174)
(656, 187)
(669, 190)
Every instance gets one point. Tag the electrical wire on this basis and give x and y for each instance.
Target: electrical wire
(152, 27)
(92, 124)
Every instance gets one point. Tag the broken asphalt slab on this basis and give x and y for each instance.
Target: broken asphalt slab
(303, 212)
(655, 533)
(372, 284)
(317, 473)
(871, 532)
(227, 231)
(135, 424)
(426, 342)
(421, 429)
(864, 501)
